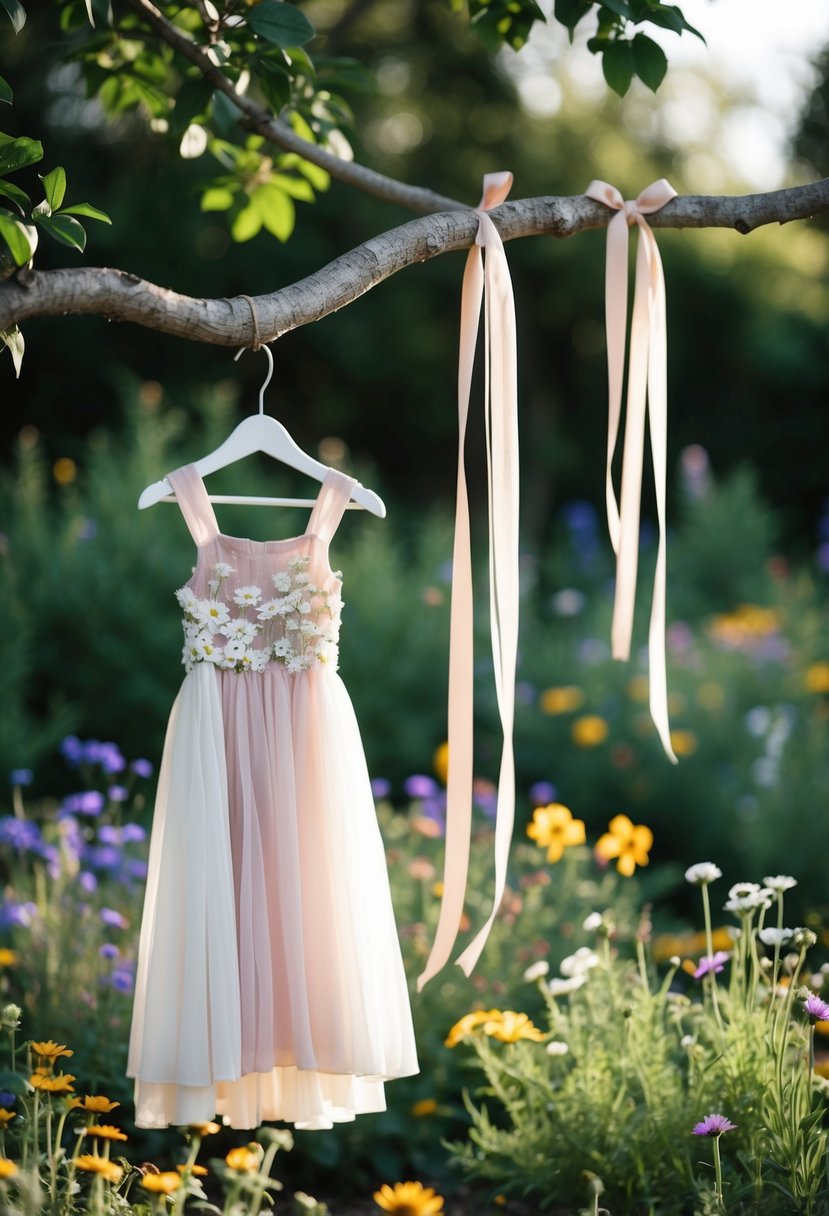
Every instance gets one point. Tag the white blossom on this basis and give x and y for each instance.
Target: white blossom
(742, 890)
(246, 596)
(557, 1048)
(297, 563)
(780, 883)
(283, 649)
(592, 922)
(213, 585)
(222, 570)
(558, 987)
(301, 579)
(579, 963)
(259, 660)
(775, 937)
(236, 649)
(297, 663)
(304, 607)
(702, 873)
(186, 598)
(536, 971)
(268, 610)
(291, 625)
(282, 582)
(241, 629)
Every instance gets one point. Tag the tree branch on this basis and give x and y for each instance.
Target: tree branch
(228, 322)
(262, 122)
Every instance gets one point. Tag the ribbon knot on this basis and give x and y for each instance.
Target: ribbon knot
(486, 279)
(647, 395)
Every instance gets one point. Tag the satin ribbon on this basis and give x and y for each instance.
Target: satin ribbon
(647, 394)
(486, 278)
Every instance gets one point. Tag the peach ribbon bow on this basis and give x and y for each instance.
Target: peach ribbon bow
(647, 386)
(485, 278)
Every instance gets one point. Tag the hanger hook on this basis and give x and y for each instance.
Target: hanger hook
(266, 350)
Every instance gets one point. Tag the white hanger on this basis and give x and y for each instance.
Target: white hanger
(262, 433)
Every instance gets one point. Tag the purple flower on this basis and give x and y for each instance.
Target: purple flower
(714, 1125)
(121, 980)
(20, 834)
(542, 793)
(7, 1099)
(88, 802)
(380, 787)
(87, 881)
(817, 1010)
(420, 786)
(142, 768)
(109, 916)
(435, 809)
(108, 950)
(21, 776)
(72, 750)
(133, 832)
(13, 913)
(118, 793)
(711, 963)
(106, 857)
(136, 868)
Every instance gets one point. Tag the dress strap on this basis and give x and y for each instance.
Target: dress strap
(330, 506)
(196, 507)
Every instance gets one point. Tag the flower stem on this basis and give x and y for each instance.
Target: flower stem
(709, 946)
(718, 1174)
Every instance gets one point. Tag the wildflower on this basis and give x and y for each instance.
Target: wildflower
(424, 1107)
(93, 1164)
(816, 678)
(775, 937)
(713, 1125)
(163, 1183)
(557, 1048)
(684, 742)
(7, 1168)
(561, 700)
(702, 873)
(711, 964)
(247, 595)
(6, 1117)
(510, 1027)
(744, 890)
(592, 922)
(780, 883)
(803, 939)
(10, 1016)
(113, 918)
(468, 1023)
(756, 897)
(96, 1103)
(536, 971)
(580, 963)
(204, 1129)
(440, 762)
(21, 776)
(222, 570)
(628, 843)
(420, 786)
(243, 1160)
(142, 768)
(554, 828)
(589, 731)
(409, 1199)
(817, 1009)
(198, 1171)
(106, 1132)
(558, 987)
(60, 1084)
(8, 958)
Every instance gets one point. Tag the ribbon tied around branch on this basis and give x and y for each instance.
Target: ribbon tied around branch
(486, 280)
(647, 394)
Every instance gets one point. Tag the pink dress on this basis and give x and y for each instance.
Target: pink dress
(269, 982)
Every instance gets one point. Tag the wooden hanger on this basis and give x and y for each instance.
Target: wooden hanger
(262, 433)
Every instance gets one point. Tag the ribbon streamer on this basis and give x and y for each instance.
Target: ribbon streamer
(647, 394)
(486, 278)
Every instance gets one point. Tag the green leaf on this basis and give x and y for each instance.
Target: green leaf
(570, 12)
(275, 83)
(281, 23)
(247, 223)
(19, 197)
(217, 198)
(668, 17)
(276, 209)
(6, 91)
(16, 12)
(620, 7)
(18, 153)
(16, 238)
(618, 67)
(297, 187)
(342, 73)
(225, 115)
(64, 229)
(54, 184)
(319, 178)
(92, 213)
(192, 101)
(649, 61)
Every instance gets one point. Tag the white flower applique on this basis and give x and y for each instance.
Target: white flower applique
(297, 628)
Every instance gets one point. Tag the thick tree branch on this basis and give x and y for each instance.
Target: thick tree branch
(228, 322)
(256, 118)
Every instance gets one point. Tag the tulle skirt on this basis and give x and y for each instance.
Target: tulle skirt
(269, 981)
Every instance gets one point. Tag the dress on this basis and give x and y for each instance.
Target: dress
(269, 982)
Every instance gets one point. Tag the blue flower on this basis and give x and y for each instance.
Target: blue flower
(133, 832)
(542, 793)
(21, 834)
(121, 980)
(88, 802)
(7, 1098)
(13, 913)
(72, 750)
(420, 786)
(380, 787)
(87, 881)
(21, 776)
(136, 868)
(113, 918)
(118, 793)
(108, 950)
(142, 768)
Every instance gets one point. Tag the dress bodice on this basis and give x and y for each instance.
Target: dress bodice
(253, 604)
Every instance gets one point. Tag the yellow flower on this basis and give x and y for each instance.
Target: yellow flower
(509, 1027)
(198, 1171)
(96, 1103)
(162, 1184)
(468, 1023)
(684, 742)
(589, 731)
(93, 1164)
(106, 1131)
(816, 678)
(553, 828)
(50, 1051)
(561, 700)
(409, 1199)
(7, 1168)
(427, 1106)
(243, 1160)
(205, 1129)
(8, 958)
(440, 762)
(61, 1084)
(629, 844)
(6, 1117)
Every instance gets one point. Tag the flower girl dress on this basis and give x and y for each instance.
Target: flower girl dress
(269, 983)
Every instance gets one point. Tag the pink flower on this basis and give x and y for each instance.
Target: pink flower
(817, 1009)
(709, 962)
(714, 1125)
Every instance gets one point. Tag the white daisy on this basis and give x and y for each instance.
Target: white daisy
(282, 649)
(259, 660)
(309, 629)
(209, 651)
(557, 1048)
(186, 598)
(702, 873)
(241, 629)
(297, 663)
(780, 883)
(268, 610)
(245, 596)
(304, 607)
(282, 582)
(213, 585)
(223, 570)
(536, 971)
(236, 649)
(291, 625)
(557, 987)
(579, 963)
